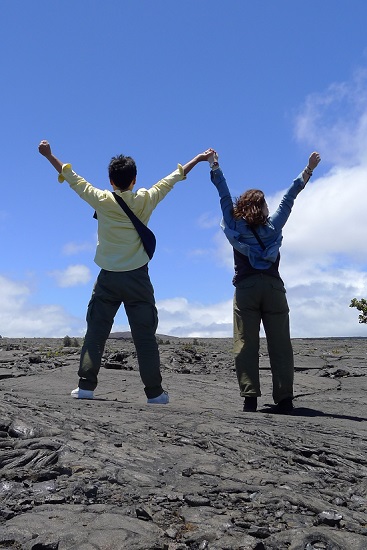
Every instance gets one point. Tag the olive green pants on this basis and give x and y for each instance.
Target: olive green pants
(262, 298)
(135, 291)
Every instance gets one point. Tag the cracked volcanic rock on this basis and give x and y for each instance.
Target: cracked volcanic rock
(196, 474)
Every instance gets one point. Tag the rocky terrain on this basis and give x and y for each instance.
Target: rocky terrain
(196, 474)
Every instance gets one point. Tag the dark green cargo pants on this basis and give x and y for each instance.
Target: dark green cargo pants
(135, 291)
(262, 298)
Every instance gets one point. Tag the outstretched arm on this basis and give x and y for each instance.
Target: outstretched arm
(199, 158)
(217, 177)
(312, 163)
(45, 149)
(284, 209)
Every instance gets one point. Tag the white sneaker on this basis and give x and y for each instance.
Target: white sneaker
(78, 393)
(162, 399)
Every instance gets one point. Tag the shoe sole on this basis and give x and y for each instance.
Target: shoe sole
(78, 396)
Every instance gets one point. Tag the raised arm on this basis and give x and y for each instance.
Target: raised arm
(280, 217)
(199, 158)
(312, 163)
(45, 149)
(217, 177)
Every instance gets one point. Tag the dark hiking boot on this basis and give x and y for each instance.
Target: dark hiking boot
(250, 404)
(285, 406)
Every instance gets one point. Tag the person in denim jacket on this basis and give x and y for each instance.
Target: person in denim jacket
(259, 294)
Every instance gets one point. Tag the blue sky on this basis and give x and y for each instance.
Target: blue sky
(264, 83)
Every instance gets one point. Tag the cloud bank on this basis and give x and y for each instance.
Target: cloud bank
(324, 255)
(73, 275)
(20, 318)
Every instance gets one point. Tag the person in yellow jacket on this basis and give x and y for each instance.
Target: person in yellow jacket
(124, 274)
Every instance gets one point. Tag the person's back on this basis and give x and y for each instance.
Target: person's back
(124, 277)
(119, 247)
(260, 295)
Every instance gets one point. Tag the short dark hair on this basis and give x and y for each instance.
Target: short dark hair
(121, 171)
(249, 206)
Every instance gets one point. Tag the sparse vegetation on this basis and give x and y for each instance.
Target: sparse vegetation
(66, 341)
(361, 305)
(51, 354)
(70, 342)
(162, 342)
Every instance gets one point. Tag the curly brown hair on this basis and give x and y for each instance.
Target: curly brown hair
(249, 206)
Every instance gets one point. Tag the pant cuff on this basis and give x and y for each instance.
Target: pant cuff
(85, 384)
(153, 391)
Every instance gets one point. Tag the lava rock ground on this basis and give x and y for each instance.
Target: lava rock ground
(116, 473)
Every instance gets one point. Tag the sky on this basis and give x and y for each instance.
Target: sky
(264, 83)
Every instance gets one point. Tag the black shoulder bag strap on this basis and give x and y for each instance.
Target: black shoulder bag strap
(257, 237)
(147, 236)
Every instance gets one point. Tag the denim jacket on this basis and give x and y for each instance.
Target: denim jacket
(239, 233)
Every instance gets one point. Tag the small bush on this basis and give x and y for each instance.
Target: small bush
(361, 305)
(67, 342)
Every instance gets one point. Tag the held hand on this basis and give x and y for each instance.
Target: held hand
(44, 148)
(206, 155)
(314, 160)
(199, 158)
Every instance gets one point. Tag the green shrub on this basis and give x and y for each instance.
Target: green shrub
(67, 341)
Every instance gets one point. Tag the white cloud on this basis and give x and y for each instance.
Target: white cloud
(324, 253)
(329, 222)
(223, 253)
(71, 249)
(323, 257)
(20, 318)
(319, 308)
(219, 251)
(199, 253)
(336, 120)
(208, 220)
(320, 302)
(179, 317)
(73, 275)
